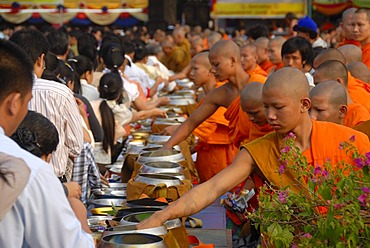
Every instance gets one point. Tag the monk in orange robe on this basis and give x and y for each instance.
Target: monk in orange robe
(346, 26)
(362, 35)
(358, 91)
(335, 70)
(328, 102)
(214, 149)
(364, 128)
(286, 105)
(249, 60)
(262, 52)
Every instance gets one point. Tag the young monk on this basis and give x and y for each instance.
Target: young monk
(225, 60)
(358, 90)
(346, 26)
(361, 32)
(263, 60)
(274, 51)
(249, 60)
(215, 150)
(328, 102)
(335, 70)
(286, 105)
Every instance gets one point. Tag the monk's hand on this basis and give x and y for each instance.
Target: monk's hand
(169, 130)
(104, 180)
(159, 112)
(153, 221)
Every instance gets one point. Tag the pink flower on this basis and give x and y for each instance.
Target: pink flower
(282, 169)
(307, 236)
(294, 246)
(285, 149)
(362, 199)
(283, 196)
(366, 190)
(291, 135)
(324, 173)
(359, 163)
(317, 171)
(353, 138)
(338, 206)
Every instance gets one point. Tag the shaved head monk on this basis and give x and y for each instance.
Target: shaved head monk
(361, 32)
(351, 53)
(274, 51)
(226, 66)
(358, 90)
(263, 60)
(335, 70)
(215, 150)
(347, 30)
(359, 70)
(286, 105)
(328, 102)
(249, 60)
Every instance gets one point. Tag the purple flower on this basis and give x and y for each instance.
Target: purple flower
(324, 173)
(282, 196)
(282, 169)
(353, 138)
(294, 246)
(362, 199)
(317, 171)
(367, 155)
(338, 206)
(291, 135)
(285, 149)
(359, 163)
(366, 190)
(307, 236)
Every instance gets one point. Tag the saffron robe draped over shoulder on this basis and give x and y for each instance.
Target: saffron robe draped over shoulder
(215, 150)
(258, 70)
(267, 65)
(349, 42)
(325, 140)
(366, 54)
(239, 123)
(356, 114)
(359, 91)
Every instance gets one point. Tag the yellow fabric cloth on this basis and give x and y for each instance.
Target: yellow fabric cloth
(177, 61)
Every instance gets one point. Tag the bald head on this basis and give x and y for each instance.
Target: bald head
(248, 57)
(274, 49)
(346, 22)
(328, 102)
(196, 45)
(331, 70)
(225, 48)
(292, 81)
(202, 58)
(351, 53)
(251, 103)
(213, 38)
(359, 70)
(328, 54)
(262, 44)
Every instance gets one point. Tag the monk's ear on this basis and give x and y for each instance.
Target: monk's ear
(305, 104)
(342, 111)
(340, 80)
(233, 60)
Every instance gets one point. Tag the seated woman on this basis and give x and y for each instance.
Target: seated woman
(37, 135)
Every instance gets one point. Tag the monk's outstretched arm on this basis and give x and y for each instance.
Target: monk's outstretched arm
(206, 193)
(208, 107)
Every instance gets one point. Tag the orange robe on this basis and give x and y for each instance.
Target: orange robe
(364, 128)
(325, 140)
(356, 114)
(239, 122)
(279, 66)
(258, 70)
(349, 42)
(215, 151)
(366, 54)
(359, 91)
(267, 66)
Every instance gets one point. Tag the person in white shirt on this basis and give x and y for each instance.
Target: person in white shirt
(38, 215)
(53, 100)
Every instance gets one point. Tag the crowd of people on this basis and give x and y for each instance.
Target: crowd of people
(67, 99)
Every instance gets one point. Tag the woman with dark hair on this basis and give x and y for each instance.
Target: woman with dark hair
(114, 116)
(84, 70)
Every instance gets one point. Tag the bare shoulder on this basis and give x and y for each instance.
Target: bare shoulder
(223, 95)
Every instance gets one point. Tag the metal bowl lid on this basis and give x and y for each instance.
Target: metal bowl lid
(155, 179)
(131, 240)
(121, 229)
(108, 202)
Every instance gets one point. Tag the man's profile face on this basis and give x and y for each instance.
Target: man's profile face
(293, 60)
(322, 110)
(360, 27)
(255, 112)
(22, 110)
(274, 52)
(221, 66)
(247, 59)
(199, 74)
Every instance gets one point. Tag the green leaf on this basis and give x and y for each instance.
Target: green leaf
(325, 192)
(274, 230)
